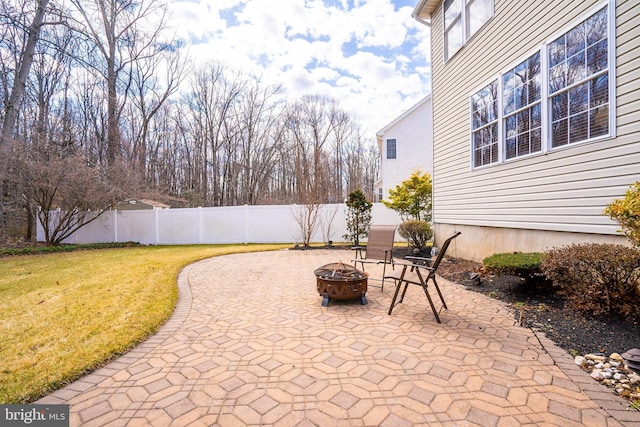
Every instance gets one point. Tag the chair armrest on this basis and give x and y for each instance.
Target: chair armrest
(406, 263)
(416, 262)
(418, 259)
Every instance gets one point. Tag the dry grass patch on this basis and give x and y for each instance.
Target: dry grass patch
(64, 314)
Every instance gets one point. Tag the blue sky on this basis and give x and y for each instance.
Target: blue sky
(369, 55)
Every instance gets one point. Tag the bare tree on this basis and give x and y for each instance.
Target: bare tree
(156, 77)
(259, 140)
(118, 37)
(310, 124)
(69, 192)
(213, 129)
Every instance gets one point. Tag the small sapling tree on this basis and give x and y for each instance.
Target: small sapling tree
(358, 216)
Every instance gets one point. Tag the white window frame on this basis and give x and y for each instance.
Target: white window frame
(546, 97)
(489, 124)
(504, 116)
(463, 18)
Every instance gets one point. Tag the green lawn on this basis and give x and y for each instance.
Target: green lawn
(65, 314)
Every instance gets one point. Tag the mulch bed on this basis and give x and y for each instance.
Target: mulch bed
(542, 309)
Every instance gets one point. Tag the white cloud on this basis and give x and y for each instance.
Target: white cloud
(371, 57)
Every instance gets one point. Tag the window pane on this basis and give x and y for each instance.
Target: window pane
(576, 39)
(559, 133)
(511, 127)
(478, 12)
(596, 27)
(452, 10)
(576, 68)
(599, 91)
(534, 77)
(597, 57)
(559, 106)
(558, 77)
(599, 121)
(523, 144)
(522, 97)
(510, 148)
(536, 140)
(578, 99)
(454, 38)
(557, 52)
(578, 130)
(536, 116)
(523, 121)
(508, 86)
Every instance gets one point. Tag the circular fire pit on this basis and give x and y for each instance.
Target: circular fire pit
(341, 281)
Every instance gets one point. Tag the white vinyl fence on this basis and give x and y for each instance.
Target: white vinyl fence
(228, 224)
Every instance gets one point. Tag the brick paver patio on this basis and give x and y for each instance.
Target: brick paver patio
(250, 344)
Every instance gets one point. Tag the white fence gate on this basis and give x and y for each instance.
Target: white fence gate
(228, 224)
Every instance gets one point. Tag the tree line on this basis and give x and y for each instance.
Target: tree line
(101, 103)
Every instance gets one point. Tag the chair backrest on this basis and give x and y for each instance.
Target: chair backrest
(443, 250)
(380, 242)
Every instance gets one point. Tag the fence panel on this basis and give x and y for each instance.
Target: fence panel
(226, 224)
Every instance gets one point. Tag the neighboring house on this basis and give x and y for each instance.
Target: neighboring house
(536, 113)
(405, 146)
(137, 204)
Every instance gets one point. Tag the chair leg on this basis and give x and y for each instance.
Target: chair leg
(395, 295)
(384, 270)
(433, 278)
(433, 308)
(404, 291)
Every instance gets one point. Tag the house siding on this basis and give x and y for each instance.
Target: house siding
(414, 146)
(562, 193)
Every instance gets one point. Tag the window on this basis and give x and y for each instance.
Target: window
(579, 82)
(521, 108)
(462, 19)
(484, 136)
(391, 148)
(558, 96)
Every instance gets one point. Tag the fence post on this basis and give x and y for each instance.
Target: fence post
(157, 225)
(115, 225)
(246, 223)
(200, 225)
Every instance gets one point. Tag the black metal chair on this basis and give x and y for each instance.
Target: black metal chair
(419, 271)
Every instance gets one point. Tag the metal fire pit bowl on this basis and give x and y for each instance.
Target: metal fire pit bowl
(341, 281)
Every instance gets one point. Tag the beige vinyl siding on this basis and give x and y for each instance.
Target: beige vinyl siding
(565, 189)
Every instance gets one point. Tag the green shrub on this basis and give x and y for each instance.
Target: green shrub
(35, 250)
(416, 232)
(596, 278)
(523, 264)
(626, 212)
(412, 198)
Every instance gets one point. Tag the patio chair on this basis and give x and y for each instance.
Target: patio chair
(419, 271)
(379, 249)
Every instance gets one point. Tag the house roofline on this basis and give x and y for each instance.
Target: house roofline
(422, 11)
(381, 132)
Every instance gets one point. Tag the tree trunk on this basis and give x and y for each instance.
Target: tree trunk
(26, 59)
